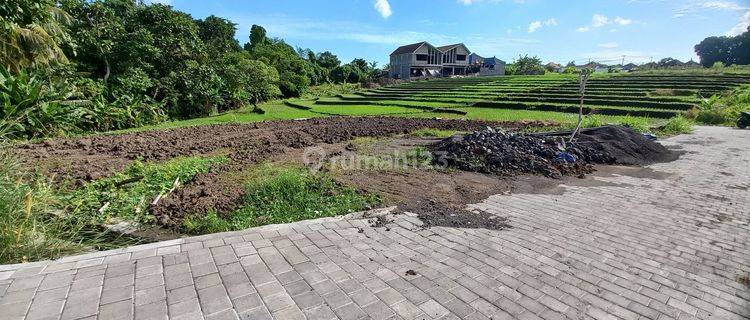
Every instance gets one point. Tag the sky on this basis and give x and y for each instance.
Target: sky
(605, 31)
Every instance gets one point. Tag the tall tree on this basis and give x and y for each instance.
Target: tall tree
(327, 60)
(218, 34)
(257, 36)
(727, 50)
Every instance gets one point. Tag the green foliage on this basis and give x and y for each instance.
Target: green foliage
(31, 107)
(724, 109)
(677, 125)
(592, 120)
(218, 35)
(526, 65)
(330, 89)
(32, 34)
(249, 80)
(636, 123)
(281, 195)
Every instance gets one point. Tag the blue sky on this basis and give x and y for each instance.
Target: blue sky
(554, 30)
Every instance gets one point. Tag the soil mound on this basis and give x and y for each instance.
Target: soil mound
(625, 145)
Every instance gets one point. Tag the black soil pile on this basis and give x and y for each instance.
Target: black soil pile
(507, 154)
(626, 146)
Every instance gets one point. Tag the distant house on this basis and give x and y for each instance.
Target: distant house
(492, 67)
(554, 67)
(475, 59)
(630, 67)
(422, 59)
(455, 59)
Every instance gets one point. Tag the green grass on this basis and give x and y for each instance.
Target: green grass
(363, 110)
(677, 125)
(278, 194)
(275, 110)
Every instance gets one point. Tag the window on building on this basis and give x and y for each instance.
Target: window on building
(421, 57)
(461, 57)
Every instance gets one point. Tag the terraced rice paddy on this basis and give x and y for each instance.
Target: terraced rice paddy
(651, 96)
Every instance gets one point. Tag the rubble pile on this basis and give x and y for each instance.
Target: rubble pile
(493, 150)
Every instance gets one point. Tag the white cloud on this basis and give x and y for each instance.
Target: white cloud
(167, 2)
(695, 7)
(599, 20)
(722, 5)
(384, 8)
(622, 21)
(741, 26)
(609, 45)
(536, 25)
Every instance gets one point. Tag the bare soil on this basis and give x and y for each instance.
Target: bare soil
(88, 158)
(439, 196)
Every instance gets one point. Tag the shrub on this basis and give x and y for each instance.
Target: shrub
(725, 109)
(32, 107)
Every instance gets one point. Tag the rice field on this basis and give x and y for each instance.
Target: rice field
(546, 97)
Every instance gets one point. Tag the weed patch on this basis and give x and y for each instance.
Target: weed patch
(282, 195)
(28, 228)
(677, 125)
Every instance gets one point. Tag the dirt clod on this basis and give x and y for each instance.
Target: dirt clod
(411, 272)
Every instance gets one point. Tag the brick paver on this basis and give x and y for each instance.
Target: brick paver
(670, 245)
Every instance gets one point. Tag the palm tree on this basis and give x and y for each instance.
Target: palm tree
(32, 40)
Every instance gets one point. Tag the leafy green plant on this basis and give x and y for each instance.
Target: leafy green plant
(725, 109)
(31, 107)
(284, 194)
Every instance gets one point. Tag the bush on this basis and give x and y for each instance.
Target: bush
(725, 109)
(32, 107)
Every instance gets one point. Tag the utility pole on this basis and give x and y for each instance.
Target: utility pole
(623, 60)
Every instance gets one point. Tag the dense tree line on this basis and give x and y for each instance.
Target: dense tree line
(123, 63)
(726, 50)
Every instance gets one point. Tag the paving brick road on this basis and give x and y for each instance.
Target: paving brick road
(668, 244)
